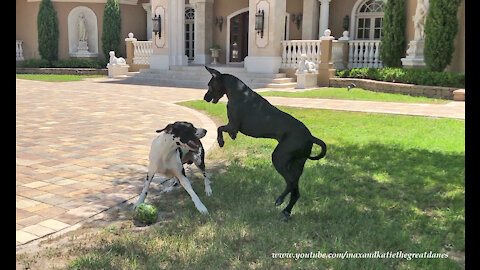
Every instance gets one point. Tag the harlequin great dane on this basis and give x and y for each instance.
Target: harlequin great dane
(252, 115)
(177, 144)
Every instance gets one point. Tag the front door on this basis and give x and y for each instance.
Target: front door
(239, 37)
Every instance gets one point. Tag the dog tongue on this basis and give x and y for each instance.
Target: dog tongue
(192, 144)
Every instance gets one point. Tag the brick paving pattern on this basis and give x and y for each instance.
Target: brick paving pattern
(82, 147)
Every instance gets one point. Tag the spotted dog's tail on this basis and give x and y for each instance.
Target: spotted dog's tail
(319, 142)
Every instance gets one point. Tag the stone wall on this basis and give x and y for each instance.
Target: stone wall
(72, 71)
(398, 88)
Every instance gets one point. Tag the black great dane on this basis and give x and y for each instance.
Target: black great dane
(252, 115)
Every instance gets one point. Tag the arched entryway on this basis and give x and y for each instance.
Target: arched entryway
(237, 36)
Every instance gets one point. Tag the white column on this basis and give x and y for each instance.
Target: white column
(176, 27)
(265, 52)
(310, 20)
(160, 49)
(203, 30)
(324, 11)
(148, 9)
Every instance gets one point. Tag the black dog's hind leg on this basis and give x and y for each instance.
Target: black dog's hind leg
(295, 171)
(291, 169)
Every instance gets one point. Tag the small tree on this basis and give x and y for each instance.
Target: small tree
(47, 26)
(111, 35)
(440, 30)
(393, 33)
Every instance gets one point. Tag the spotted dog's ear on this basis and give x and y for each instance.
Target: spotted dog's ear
(167, 129)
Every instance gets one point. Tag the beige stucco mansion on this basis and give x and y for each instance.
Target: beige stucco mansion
(261, 35)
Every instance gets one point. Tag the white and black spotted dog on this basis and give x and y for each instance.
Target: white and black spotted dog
(177, 144)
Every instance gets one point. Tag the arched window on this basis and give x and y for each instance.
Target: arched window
(369, 18)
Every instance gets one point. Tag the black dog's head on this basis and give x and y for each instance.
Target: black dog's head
(216, 88)
(186, 134)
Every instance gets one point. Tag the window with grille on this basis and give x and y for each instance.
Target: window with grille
(189, 33)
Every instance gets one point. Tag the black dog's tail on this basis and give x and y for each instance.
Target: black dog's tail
(319, 142)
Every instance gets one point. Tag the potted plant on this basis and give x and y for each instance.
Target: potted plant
(215, 49)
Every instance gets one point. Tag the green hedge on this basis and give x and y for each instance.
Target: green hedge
(79, 63)
(36, 63)
(402, 75)
(64, 63)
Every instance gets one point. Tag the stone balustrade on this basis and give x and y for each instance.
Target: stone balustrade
(364, 53)
(292, 49)
(142, 52)
(19, 50)
(360, 53)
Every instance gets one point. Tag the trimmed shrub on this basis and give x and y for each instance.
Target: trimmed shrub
(393, 34)
(64, 63)
(47, 26)
(36, 63)
(78, 63)
(403, 75)
(441, 28)
(111, 36)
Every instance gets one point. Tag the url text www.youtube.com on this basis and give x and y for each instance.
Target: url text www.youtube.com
(360, 255)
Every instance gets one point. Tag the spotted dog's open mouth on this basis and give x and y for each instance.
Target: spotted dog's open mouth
(193, 145)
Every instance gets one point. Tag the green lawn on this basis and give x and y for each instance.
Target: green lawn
(388, 183)
(353, 94)
(56, 77)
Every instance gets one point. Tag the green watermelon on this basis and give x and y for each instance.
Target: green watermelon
(146, 213)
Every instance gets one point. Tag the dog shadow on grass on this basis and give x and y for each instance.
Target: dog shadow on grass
(360, 198)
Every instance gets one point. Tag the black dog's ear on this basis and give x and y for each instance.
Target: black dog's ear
(214, 72)
(167, 129)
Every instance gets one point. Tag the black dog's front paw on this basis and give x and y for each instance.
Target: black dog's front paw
(279, 201)
(233, 135)
(284, 216)
(220, 142)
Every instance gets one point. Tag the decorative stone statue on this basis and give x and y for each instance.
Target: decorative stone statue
(420, 18)
(414, 57)
(82, 28)
(116, 60)
(306, 73)
(305, 66)
(117, 66)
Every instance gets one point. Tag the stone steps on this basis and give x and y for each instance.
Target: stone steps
(198, 77)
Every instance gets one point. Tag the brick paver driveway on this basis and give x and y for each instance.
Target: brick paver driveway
(82, 147)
